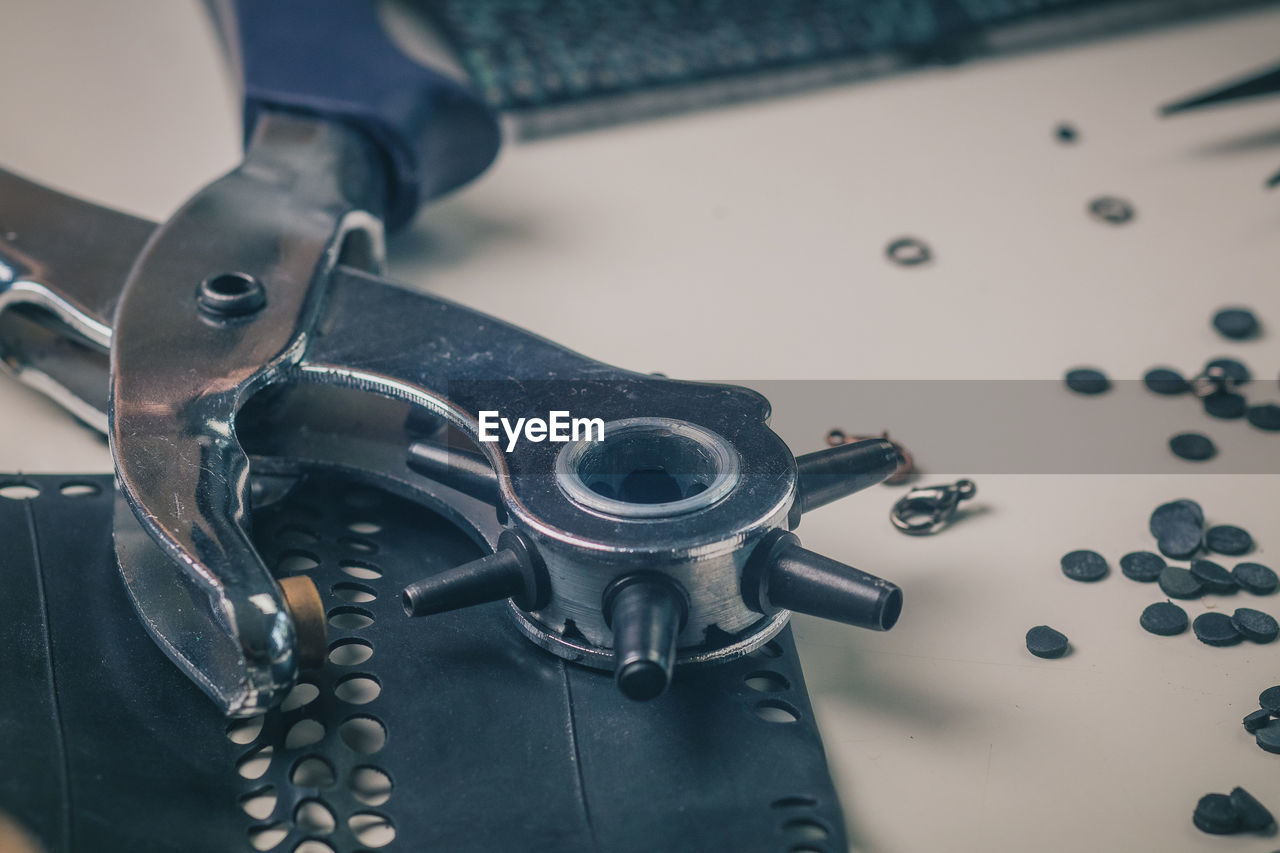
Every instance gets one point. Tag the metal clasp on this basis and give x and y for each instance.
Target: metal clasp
(928, 509)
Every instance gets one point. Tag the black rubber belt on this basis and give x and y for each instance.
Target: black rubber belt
(488, 743)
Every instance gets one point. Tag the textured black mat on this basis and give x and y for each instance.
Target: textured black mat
(448, 733)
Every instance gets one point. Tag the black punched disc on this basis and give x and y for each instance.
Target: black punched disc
(1165, 380)
(1269, 700)
(1084, 566)
(1142, 566)
(1213, 577)
(1264, 416)
(1255, 625)
(1256, 720)
(1268, 737)
(1175, 514)
(1045, 642)
(1256, 578)
(1215, 814)
(1178, 528)
(1235, 371)
(1236, 323)
(1164, 619)
(1180, 546)
(1179, 583)
(1226, 405)
(1192, 446)
(1254, 816)
(1228, 539)
(1087, 380)
(1216, 629)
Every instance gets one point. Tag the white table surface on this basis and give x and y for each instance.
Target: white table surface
(747, 243)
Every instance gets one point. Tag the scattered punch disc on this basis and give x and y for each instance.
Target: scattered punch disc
(1264, 416)
(1236, 323)
(1193, 447)
(1178, 528)
(1112, 210)
(1175, 514)
(1268, 737)
(1216, 629)
(1084, 566)
(1045, 642)
(1214, 578)
(1235, 371)
(1087, 380)
(1164, 619)
(1256, 578)
(1215, 814)
(1256, 720)
(1255, 625)
(1179, 546)
(1177, 582)
(1142, 566)
(1228, 539)
(1269, 700)
(1254, 816)
(1226, 405)
(1165, 380)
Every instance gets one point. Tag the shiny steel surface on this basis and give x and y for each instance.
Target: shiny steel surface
(178, 378)
(62, 261)
(449, 360)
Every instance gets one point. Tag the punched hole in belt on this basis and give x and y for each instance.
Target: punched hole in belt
(244, 731)
(354, 593)
(19, 491)
(363, 733)
(78, 489)
(358, 689)
(313, 845)
(777, 711)
(296, 560)
(350, 651)
(348, 618)
(370, 785)
(360, 569)
(259, 804)
(312, 771)
(267, 836)
(303, 693)
(355, 543)
(766, 681)
(806, 829)
(304, 733)
(255, 763)
(372, 829)
(313, 817)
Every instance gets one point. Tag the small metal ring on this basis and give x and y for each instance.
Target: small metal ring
(908, 252)
(720, 456)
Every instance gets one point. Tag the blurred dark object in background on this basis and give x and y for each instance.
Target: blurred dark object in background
(562, 65)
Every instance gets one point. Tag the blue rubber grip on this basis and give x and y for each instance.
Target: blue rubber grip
(333, 59)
